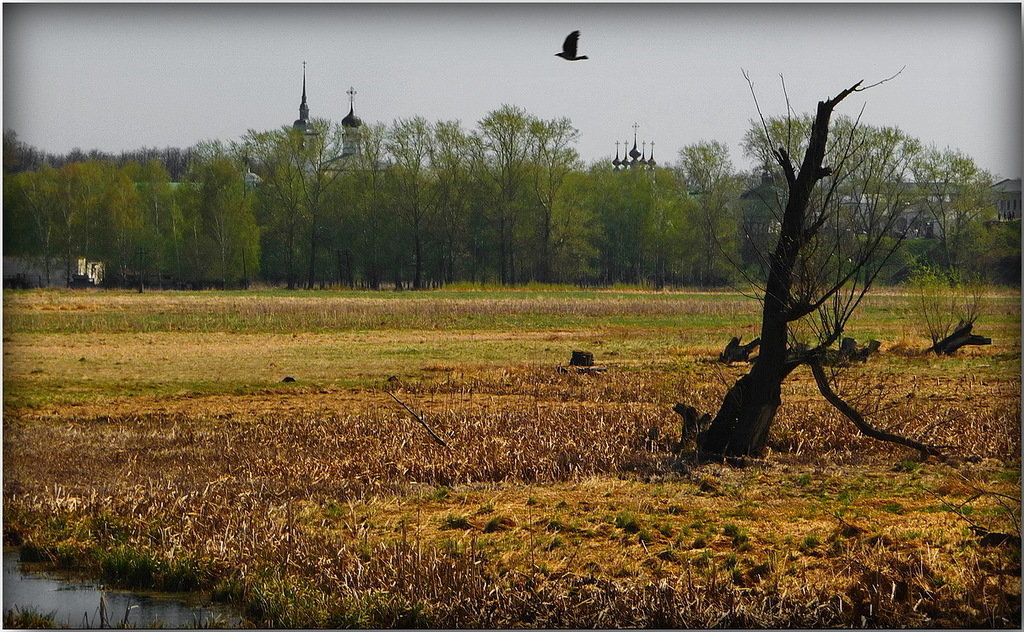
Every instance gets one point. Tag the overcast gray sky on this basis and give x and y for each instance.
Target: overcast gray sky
(125, 76)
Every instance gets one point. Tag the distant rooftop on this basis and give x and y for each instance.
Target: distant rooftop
(1010, 185)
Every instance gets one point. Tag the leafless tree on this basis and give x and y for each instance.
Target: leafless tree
(837, 229)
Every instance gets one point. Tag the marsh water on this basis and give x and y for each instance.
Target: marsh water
(75, 603)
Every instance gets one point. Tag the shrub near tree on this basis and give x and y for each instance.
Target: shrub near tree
(944, 298)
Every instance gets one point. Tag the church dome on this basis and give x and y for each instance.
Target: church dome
(351, 120)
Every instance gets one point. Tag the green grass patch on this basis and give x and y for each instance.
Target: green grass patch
(810, 542)
(455, 521)
(134, 568)
(740, 538)
(18, 618)
(628, 522)
(894, 508)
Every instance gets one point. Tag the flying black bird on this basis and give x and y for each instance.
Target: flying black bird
(569, 48)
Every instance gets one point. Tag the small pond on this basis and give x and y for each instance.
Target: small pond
(75, 603)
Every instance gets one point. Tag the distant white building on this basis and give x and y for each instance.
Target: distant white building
(915, 222)
(90, 272)
(32, 272)
(1008, 198)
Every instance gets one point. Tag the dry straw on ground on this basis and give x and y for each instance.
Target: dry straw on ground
(561, 503)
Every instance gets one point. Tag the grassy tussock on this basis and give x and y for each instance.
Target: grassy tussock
(28, 619)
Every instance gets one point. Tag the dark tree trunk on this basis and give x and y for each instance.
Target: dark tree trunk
(741, 426)
(961, 337)
(417, 277)
(311, 280)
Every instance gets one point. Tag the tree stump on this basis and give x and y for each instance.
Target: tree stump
(735, 352)
(693, 422)
(961, 337)
(581, 358)
(850, 352)
(582, 363)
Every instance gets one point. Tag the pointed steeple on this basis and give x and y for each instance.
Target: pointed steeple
(302, 123)
(616, 163)
(304, 107)
(650, 161)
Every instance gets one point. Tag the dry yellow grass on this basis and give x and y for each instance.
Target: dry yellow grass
(323, 504)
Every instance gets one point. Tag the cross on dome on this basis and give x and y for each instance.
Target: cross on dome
(634, 157)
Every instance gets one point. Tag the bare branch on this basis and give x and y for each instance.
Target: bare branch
(858, 420)
(878, 83)
(789, 112)
(736, 264)
(757, 106)
(834, 101)
(419, 418)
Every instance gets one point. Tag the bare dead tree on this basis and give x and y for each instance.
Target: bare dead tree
(837, 231)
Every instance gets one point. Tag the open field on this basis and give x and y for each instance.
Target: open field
(149, 438)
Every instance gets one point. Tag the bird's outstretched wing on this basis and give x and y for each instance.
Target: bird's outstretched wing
(570, 43)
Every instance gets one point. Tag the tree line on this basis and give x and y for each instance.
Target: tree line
(20, 156)
(417, 204)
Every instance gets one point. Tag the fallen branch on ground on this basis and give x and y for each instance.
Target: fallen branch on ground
(419, 418)
(961, 337)
(735, 352)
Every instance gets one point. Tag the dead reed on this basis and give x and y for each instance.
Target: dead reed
(561, 502)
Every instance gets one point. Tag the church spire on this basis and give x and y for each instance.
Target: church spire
(302, 123)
